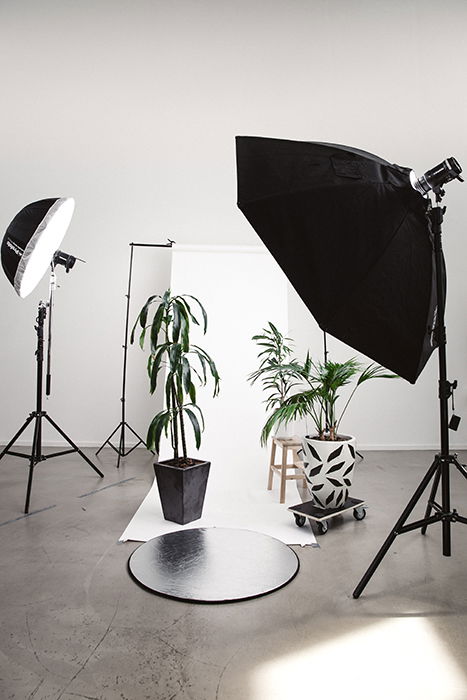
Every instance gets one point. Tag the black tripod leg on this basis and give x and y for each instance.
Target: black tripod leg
(121, 450)
(461, 467)
(135, 433)
(429, 507)
(108, 439)
(446, 506)
(121, 446)
(35, 456)
(80, 452)
(395, 531)
(20, 431)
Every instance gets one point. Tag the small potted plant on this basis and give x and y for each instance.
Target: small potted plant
(328, 455)
(181, 480)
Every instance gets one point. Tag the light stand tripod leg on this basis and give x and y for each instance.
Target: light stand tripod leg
(446, 500)
(15, 437)
(461, 467)
(431, 499)
(75, 447)
(121, 446)
(396, 529)
(463, 470)
(121, 451)
(109, 438)
(35, 457)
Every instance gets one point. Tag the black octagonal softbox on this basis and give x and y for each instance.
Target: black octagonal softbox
(352, 236)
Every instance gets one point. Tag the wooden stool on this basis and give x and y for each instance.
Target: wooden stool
(285, 444)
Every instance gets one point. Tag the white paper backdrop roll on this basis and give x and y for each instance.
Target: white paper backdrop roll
(242, 289)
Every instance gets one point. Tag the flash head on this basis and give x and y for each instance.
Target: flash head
(438, 176)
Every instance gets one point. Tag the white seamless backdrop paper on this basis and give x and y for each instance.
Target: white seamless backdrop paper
(242, 288)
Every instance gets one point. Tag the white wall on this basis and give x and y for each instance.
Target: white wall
(131, 106)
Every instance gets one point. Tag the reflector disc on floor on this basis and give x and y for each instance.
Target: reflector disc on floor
(213, 565)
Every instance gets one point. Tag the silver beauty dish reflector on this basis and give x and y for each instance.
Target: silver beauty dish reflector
(32, 239)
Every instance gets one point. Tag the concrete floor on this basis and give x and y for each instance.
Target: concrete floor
(75, 625)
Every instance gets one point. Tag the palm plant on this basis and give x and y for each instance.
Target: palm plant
(318, 400)
(184, 363)
(278, 370)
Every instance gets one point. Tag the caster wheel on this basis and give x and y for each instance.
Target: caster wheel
(322, 527)
(359, 513)
(300, 520)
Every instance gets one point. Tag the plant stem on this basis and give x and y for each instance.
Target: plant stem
(175, 427)
(182, 432)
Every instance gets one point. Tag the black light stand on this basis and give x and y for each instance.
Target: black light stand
(120, 450)
(439, 470)
(39, 415)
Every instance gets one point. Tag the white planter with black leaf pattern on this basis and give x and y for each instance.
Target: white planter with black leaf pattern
(329, 467)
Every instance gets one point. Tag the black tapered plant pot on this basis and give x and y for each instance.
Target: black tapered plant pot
(182, 489)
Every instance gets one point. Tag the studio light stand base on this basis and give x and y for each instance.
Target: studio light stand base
(120, 450)
(439, 471)
(36, 455)
(38, 416)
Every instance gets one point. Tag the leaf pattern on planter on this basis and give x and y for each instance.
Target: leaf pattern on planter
(330, 498)
(336, 467)
(318, 502)
(314, 454)
(335, 454)
(351, 450)
(316, 470)
(317, 487)
(335, 482)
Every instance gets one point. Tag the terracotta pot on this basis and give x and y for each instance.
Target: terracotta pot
(329, 468)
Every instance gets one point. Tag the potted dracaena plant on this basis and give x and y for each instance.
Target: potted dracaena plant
(328, 455)
(182, 479)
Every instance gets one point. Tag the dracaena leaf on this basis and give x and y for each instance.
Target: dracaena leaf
(203, 311)
(196, 427)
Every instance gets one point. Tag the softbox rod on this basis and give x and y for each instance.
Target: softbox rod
(121, 449)
(439, 471)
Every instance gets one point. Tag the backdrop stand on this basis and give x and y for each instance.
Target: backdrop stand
(38, 416)
(121, 449)
(439, 470)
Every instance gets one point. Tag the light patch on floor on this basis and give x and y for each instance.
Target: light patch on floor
(403, 658)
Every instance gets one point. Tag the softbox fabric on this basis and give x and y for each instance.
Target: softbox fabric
(352, 236)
